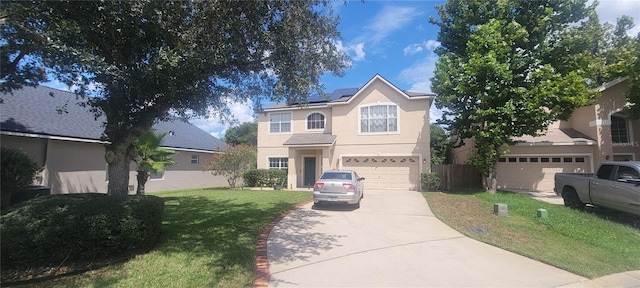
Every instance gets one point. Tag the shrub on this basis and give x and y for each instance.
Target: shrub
(17, 173)
(430, 181)
(56, 229)
(265, 177)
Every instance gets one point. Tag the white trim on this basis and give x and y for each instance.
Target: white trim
(378, 77)
(610, 84)
(577, 143)
(63, 138)
(599, 122)
(398, 112)
(279, 133)
(306, 122)
(277, 156)
(310, 145)
(369, 83)
(82, 140)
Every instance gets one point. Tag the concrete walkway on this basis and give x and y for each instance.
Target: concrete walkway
(394, 240)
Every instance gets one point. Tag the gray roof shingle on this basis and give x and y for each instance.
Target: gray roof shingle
(50, 112)
(310, 139)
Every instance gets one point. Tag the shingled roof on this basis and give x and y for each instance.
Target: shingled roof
(47, 112)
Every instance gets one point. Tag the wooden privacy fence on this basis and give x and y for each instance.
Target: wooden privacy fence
(455, 177)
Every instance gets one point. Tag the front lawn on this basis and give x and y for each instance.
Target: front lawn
(575, 241)
(209, 240)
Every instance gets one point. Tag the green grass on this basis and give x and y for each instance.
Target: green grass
(575, 241)
(209, 240)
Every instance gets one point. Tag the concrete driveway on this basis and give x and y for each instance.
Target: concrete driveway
(393, 240)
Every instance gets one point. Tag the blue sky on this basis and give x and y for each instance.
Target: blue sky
(395, 40)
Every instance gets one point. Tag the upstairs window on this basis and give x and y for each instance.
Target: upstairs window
(315, 121)
(619, 130)
(280, 122)
(379, 119)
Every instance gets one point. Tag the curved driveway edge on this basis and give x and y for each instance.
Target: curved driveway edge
(262, 263)
(393, 240)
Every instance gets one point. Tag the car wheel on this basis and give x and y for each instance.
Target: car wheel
(571, 199)
(357, 205)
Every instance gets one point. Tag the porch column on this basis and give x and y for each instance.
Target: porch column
(326, 160)
(292, 177)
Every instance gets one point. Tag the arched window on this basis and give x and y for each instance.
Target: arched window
(315, 121)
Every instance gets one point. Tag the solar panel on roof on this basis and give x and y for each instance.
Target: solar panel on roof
(333, 95)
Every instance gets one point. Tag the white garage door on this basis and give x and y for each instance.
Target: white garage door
(386, 172)
(536, 173)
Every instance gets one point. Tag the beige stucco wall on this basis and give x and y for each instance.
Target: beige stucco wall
(342, 120)
(79, 167)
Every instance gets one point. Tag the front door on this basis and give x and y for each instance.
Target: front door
(309, 171)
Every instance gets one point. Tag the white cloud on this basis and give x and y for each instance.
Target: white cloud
(419, 77)
(240, 111)
(388, 20)
(610, 10)
(355, 51)
(428, 45)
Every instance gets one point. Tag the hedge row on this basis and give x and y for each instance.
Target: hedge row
(265, 177)
(56, 229)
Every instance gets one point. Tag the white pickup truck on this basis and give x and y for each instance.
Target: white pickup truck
(616, 186)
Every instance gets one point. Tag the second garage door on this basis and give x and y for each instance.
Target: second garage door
(386, 172)
(537, 173)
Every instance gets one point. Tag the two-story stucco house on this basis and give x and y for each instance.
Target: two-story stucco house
(377, 130)
(592, 135)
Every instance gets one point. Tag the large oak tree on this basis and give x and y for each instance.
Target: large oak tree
(141, 61)
(509, 68)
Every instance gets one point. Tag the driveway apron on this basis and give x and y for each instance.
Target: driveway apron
(393, 240)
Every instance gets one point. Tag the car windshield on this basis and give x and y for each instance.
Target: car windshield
(336, 176)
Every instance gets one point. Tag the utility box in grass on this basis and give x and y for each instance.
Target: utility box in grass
(500, 209)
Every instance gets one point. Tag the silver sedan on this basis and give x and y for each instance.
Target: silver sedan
(339, 186)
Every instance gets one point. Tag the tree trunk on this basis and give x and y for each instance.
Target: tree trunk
(119, 158)
(142, 180)
(492, 180)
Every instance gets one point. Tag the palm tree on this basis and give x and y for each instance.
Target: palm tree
(151, 158)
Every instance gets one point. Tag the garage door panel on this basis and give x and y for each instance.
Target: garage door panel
(537, 176)
(386, 172)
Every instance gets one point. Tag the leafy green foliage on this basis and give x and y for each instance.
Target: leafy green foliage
(151, 158)
(265, 177)
(65, 228)
(17, 173)
(245, 133)
(499, 74)
(430, 181)
(439, 145)
(232, 162)
(149, 60)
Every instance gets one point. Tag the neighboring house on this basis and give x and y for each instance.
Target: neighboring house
(65, 139)
(379, 131)
(592, 135)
